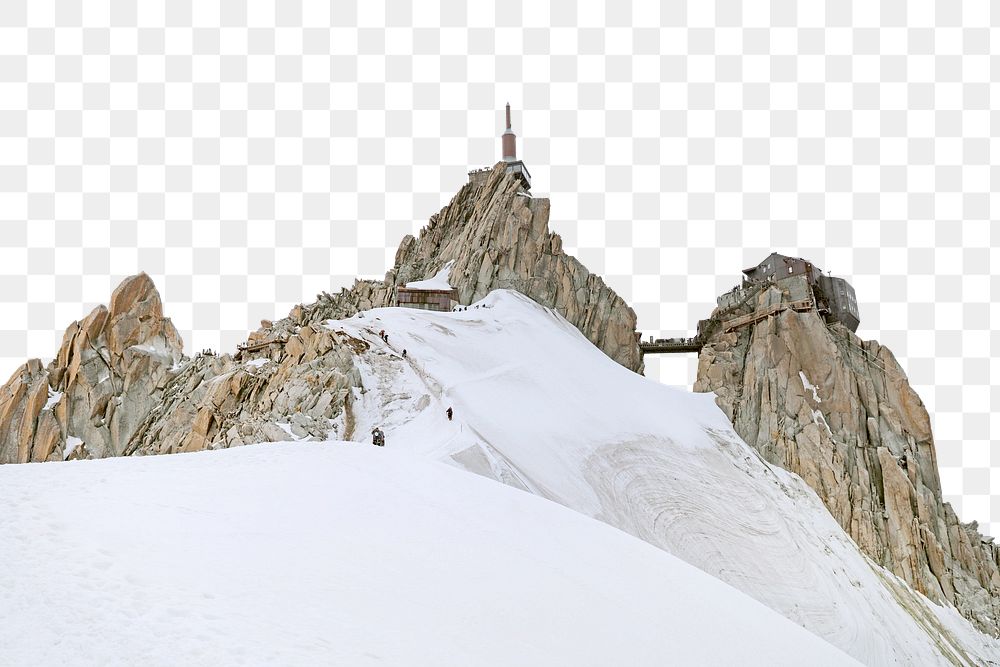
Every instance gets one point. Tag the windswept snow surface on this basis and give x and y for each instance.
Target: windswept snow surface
(537, 406)
(346, 554)
(438, 282)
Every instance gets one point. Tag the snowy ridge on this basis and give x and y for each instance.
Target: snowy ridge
(303, 553)
(537, 406)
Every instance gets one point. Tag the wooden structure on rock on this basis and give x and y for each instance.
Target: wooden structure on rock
(802, 287)
(801, 280)
(427, 299)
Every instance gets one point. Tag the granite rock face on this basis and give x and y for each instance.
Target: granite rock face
(110, 370)
(497, 237)
(293, 385)
(839, 412)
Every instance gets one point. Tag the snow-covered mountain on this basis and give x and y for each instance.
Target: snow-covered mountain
(539, 365)
(344, 554)
(537, 406)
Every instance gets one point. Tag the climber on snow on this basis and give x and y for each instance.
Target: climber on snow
(378, 437)
(450, 413)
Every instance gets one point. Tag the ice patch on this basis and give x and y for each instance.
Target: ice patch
(287, 428)
(257, 363)
(808, 386)
(438, 282)
(72, 442)
(155, 350)
(54, 397)
(818, 419)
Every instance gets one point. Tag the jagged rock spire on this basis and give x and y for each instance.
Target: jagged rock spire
(839, 411)
(107, 374)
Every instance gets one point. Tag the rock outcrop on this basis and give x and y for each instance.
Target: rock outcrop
(289, 387)
(839, 412)
(110, 370)
(497, 237)
(494, 236)
(120, 384)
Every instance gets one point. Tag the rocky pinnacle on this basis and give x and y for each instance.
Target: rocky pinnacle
(497, 237)
(110, 370)
(838, 411)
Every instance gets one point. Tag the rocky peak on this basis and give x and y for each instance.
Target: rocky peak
(135, 317)
(497, 236)
(815, 399)
(108, 372)
(297, 373)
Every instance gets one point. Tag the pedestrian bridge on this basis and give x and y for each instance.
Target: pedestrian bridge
(671, 345)
(707, 328)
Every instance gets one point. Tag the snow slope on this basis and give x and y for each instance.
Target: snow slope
(539, 407)
(438, 282)
(335, 553)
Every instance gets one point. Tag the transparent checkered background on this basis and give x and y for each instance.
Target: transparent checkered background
(249, 155)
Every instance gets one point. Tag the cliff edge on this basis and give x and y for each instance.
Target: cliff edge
(815, 399)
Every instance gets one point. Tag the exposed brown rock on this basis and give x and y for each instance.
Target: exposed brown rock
(863, 442)
(301, 383)
(109, 371)
(498, 237)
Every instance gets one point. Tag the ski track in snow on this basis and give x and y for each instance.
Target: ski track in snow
(400, 394)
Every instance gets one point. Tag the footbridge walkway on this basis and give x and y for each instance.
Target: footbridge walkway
(708, 327)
